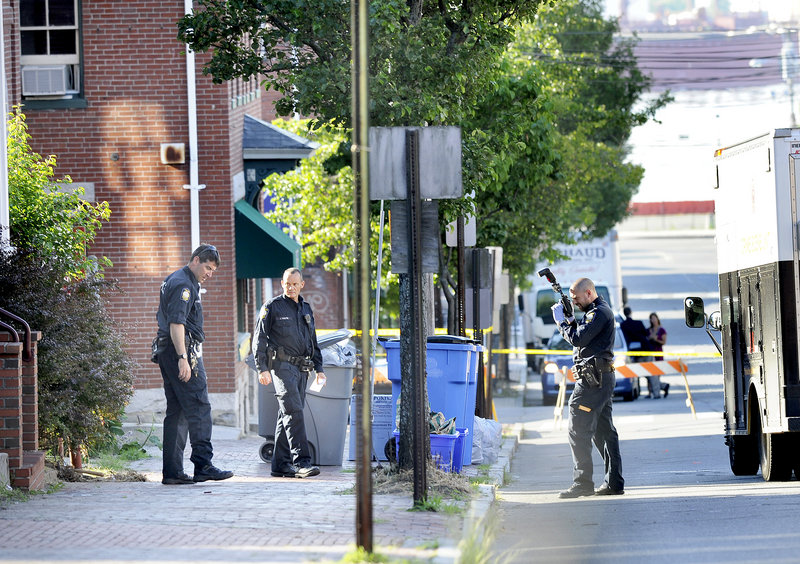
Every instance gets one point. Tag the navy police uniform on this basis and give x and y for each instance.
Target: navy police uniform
(188, 407)
(590, 405)
(288, 327)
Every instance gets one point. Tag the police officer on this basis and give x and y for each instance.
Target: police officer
(180, 332)
(285, 346)
(590, 405)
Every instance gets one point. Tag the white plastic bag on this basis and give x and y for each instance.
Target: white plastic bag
(488, 435)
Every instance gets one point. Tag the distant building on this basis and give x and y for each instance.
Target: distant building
(105, 87)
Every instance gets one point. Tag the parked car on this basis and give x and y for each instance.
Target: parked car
(626, 388)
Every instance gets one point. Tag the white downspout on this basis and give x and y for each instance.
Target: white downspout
(5, 214)
(194, 174)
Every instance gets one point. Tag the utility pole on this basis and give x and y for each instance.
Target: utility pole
(359, 19)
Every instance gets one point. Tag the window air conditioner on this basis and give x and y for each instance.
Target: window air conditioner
(50, 80)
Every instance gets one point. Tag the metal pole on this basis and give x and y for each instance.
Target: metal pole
(359, 20)
(419, 342)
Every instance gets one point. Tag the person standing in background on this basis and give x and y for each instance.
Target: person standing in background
(656, 339)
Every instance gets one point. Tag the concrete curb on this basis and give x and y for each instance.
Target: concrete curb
(481, 508)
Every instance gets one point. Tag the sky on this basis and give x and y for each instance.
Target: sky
(779, 10)
(677, 153)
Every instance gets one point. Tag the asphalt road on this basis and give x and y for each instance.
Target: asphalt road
(682, 503)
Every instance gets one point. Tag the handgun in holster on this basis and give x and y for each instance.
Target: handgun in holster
(589, 374)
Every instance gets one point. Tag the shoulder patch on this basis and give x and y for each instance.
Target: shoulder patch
(186, 294)
(590, 316)
(264, 312)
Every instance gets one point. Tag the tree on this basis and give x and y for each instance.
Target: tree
(85, 375)
(56, 222)
(429, 62)
(544, 122)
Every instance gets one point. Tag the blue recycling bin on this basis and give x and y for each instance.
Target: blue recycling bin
(450, 362)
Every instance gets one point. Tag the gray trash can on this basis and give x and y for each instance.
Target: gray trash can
(325, 413)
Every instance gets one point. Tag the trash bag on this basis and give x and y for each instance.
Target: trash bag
(486, 439)
(339, 354)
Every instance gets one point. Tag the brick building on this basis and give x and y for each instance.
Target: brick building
(106, 87)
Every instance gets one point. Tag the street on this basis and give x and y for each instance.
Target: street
(681, 502)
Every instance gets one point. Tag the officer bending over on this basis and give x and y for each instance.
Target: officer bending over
(285, 346)
(590, 405)
(179, 355)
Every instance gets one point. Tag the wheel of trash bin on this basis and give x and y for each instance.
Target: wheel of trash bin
(267, 449)
(390, 450)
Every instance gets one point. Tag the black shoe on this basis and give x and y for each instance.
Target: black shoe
(179, 479)
(605, 489)
(666, 390)
(576, 490)
(306, 471)
(211, 472)
(288, 473)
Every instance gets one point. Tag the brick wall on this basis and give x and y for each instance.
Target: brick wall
(10, 400)
(135, 86)
(19, 412)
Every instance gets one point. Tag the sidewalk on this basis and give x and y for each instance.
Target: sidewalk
(251, 517)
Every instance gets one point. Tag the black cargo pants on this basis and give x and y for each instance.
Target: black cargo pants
(590, 422)
(188, 413)
(291, 444)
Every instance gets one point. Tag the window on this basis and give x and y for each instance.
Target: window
(50, 49)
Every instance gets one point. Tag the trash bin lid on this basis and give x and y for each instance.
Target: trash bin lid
(333, 338)
(451, 339)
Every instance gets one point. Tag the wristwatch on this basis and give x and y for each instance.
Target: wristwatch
(183, 356)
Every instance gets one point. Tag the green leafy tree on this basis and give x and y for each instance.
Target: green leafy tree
(429, 62)
(85, 375)
(44, 215)
(595, 90)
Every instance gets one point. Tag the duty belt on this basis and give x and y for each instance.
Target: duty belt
(303, 362)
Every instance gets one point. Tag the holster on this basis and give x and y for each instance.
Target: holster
(272, 352)
(157, 347)
(192, 345)
(587, 373)
(592, 370)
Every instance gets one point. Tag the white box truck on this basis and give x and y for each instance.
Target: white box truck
(759, 287)
(597, 259)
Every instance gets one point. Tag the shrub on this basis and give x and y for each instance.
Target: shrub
(85, 375)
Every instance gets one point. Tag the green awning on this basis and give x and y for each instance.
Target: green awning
(263, 250)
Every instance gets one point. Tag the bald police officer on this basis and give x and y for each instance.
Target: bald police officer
(590, 405)
(285, 346)
(180, 333)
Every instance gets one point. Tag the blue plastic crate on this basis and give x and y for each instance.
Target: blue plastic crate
(442, 450)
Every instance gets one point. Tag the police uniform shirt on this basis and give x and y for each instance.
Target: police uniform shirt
(179, 303)
(592, 336)
(282, 322)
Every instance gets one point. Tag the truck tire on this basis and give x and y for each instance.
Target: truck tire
(776, 463)
(743, 455)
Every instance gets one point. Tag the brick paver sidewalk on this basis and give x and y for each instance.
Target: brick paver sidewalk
(251, 517)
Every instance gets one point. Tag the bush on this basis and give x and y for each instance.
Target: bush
(85, 375)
